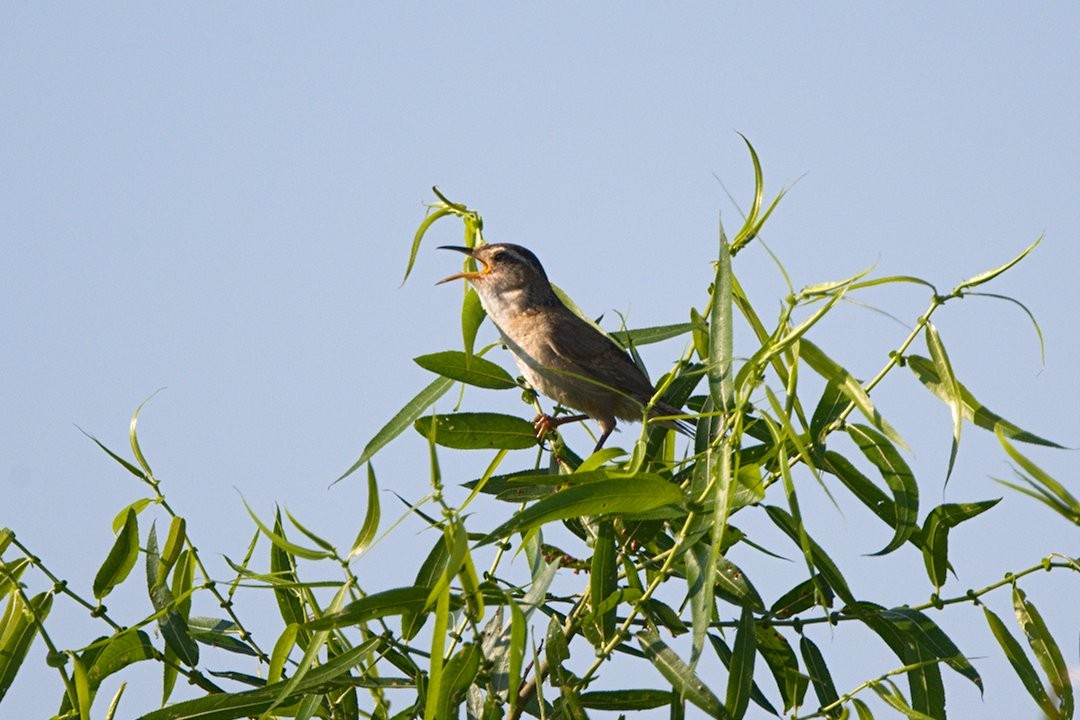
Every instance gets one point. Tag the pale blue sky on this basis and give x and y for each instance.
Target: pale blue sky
(220, 200)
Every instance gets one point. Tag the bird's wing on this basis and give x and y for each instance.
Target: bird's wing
(588, 352)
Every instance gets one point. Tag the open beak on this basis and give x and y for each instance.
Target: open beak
(469, 275)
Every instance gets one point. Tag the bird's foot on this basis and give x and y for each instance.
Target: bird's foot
(544, 424)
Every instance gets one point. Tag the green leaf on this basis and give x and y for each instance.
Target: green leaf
(683, 680)
(851, 388)
(472, 431)
(469, 369)
(279, 539)
(322, 679)
(634, 495)
(733, 585)
(741, 675)
(174, 543)
(950, 387)
(1045, 488)
(972, 409)
(897, 475)
(621, 700)
(173, 625)
(604, 576)
(989, 275)
(649, 335)
(17, 631)
(458, 674)
(428, 221)
(725, 654)
(403, 419)
(936, 529)
(819, 674)
(396, 601)
(802, 597)
(1046, 651)
(290, 600)
(1014, 653)
(10, 574)
(718, 371)
(371, 517)
(832, 404)
(783, 664)
(282, 647)
(472, 314)
(138, 506)
(867, 492)
(820, 559)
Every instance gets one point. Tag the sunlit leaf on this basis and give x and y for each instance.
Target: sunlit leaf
(636, 495)
(403, 419)
(121, 558)
(897, 475)
(1014, 653)
(472, 431)
(972, 409)
(1046, 651)
(469, 369)
(741, 675)
(936, 529)
(679, 674)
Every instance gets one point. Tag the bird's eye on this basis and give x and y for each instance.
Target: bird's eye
(496, 257)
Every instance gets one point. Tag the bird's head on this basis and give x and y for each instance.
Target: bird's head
(504, 268)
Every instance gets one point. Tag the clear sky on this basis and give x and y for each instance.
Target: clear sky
(220, 200)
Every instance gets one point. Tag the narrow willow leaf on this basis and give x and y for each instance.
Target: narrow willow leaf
(518, 631)
(973, 410)
(458, 675)
(821, 560)
(867, 492)
(470, 584)
(174, 543)
(321, 542)
(1014, 653)
(683, 680)
(252, 703)
(862, 709)
(438, 642)
(173, 625)
(649, 335)
(1046, 651)
(892, 697)
(936, 529)
(290, 600)
(989, 275)
(134, 438)
(469, 369)
(17, 631)
(225, 642)
(279, 540)
(284, 645)
(121, 558)
(114, 705)
(82, 686)
(123, 463)
(741, 669)
(626, 700)
(311, 653)
(10, 574)
(371, 517)
(472, 431)
(802, 597)
(783, 664)
(1047, 490)
(897, 475)
(472, 315)
(832, 404)
(427, 222)
(733, 585)
(819, 674)
(121, 517)
(636, 495)
(913, 649)
(376, 605)
(403, 419)
(950, 386)
(603, 576)
(718, 368)
(457, 543)
(852, 389)
(725, 653)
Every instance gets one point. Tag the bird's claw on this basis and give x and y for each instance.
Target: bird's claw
(543, 424)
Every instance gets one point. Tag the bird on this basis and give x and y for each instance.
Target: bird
(559, 354)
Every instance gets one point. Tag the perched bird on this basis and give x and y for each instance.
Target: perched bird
(560, 355)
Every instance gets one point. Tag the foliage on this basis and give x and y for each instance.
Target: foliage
(651, 530)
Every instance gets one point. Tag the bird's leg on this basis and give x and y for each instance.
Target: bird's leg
(607, 426)
(544, 423)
